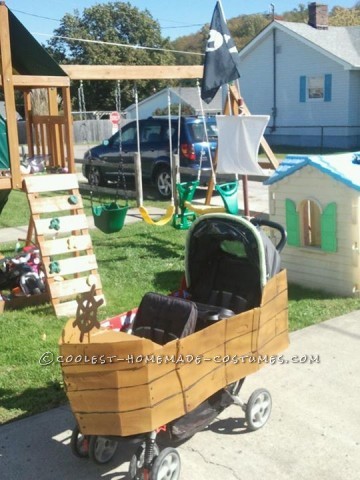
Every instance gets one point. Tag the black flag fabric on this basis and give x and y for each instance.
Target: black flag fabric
(222, 64)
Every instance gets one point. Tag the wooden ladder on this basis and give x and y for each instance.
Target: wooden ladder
(61, 232)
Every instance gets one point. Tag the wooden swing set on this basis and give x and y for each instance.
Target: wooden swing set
(26, 66)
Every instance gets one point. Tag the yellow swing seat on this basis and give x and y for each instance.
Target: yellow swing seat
(204, 209)
(162, 221)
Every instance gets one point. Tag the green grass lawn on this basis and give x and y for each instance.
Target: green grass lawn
(16, 211)
(139, 259)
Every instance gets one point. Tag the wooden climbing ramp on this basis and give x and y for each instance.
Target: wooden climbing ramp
(61, 232)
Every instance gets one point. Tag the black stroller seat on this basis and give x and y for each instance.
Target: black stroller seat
(230, 282)
(161, 318)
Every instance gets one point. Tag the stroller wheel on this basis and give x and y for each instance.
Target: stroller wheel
(102, 449)
(79, 443)
(137, 462)
(258, 409)
(166, 466)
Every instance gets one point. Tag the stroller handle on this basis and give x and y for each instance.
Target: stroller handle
(262, 222)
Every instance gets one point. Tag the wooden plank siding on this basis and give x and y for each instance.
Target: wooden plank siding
(122, 397)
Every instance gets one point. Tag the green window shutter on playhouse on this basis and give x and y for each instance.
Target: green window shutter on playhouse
(328, 228)
(292, 223)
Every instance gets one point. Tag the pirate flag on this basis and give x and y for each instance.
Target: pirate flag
(222, 63)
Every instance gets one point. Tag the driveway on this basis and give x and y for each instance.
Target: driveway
(313, 432)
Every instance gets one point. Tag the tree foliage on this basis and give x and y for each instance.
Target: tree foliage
(174, 110)
(344, 17)
(299, 14)
(242, 29)
(245, 27)
(338, 16)
(120, 22)
(113, 22)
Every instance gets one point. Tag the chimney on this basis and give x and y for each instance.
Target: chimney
(318, 16)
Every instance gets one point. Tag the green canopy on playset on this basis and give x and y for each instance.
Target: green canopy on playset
(4, 160)
(4, 147)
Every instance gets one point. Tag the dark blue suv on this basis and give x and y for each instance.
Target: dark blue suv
(155, 156)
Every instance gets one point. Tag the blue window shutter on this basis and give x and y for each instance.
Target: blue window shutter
(292, 223)
(327, 87)
(328, 228)
(302, 89)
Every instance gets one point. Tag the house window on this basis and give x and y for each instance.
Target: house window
(308, 226)
(310, 216)
(315, 88)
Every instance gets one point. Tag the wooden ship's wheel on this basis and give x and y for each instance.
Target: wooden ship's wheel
(86, 313)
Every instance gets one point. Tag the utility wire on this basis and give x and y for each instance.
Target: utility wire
(183, 25)
(115, 44)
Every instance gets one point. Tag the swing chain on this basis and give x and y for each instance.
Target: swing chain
(82, 111)
(120, 171)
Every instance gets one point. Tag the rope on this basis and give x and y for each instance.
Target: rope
(120, 172)
(82, 111)
(170, 144)
(143, 211)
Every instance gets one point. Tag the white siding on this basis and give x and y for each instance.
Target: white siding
(256, 81)
(337, 272)
(293, 59)
(354, 98)
(149, 105)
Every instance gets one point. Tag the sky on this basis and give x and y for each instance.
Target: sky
(176, 17)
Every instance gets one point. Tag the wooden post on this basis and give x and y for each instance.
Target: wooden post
(9, 96)
(175, 177)
(246, 195)
(54, 148)
(138, 179)
(69, 135)
(232, 108)
(28, 122)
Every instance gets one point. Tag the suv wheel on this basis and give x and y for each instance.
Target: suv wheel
(163, 182)
(95, 177)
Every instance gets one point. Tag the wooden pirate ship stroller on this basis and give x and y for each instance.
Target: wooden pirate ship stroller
(173, 364)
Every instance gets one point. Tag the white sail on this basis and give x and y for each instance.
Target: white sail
(238, 143)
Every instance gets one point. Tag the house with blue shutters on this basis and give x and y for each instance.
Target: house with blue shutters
(317, 198)
(307, 78)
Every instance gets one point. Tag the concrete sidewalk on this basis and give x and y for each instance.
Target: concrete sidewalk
(313, 432)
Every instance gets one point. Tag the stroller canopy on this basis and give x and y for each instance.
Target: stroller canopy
(231, 242)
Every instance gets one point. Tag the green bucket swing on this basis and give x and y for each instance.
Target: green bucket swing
(229, 195)
(186, 192)
(109, 217)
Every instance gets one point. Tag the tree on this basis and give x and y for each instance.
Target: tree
(338, 16)
(174, 110)
(299, 14)
(344, 17)
(113, 22)
(242, 29)
(245, 27)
